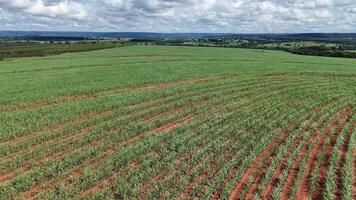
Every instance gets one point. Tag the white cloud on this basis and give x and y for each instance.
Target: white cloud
(65, 9)
(181, 15)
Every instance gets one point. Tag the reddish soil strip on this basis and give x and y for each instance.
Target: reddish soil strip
(229, 177)
(36, 189)
(51, 155)
(302, 192)
(188, 172)
(59, 154)
(165, 114)
(153, 56)
(165, 128)
(4, 177)
(339, 170)
(324, 166)
(266, 194)
(65, 99)
(186, 93)
(160, 177)
(49, 143)
(136, 56)
(98, 141)
(27, 106)
(278, 170)
(109, 181)
(57, 127)
(1, 177)
(254, 166)
(152, 101)
(277, 74)
(294, 169)
(160, 85)
(47, 157)
(206, 185)
(110, 151)
(189, 188)
(232, 173)
(56, 140)
(171, 126)
(258, 177)
(354, 174)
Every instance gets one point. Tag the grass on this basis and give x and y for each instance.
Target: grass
(175, 122)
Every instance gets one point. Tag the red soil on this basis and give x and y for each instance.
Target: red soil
(266, 194)
(302, 192)
(53, 141)
(187, 190)
(165, 128)
(37, 188)
(254, 166)
(339, 171)
(318, 193)
(57, 127)
(159, 85)
(294, 169)
(160, 177)
(165, 114)
(258, 177)
(354, 175)
(205, 172)
(65, 99)
(109, 181)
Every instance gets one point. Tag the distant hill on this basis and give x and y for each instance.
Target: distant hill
(294, 36)
(134, 35)
(47, 35)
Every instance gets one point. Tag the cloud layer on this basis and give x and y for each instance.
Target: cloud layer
(238, 16)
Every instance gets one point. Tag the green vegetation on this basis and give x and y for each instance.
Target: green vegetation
(302, 46)
(154, 122)
(12, 50)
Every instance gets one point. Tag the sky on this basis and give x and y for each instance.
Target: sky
(213, 16)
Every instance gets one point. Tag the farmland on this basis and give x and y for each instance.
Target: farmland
(151, 122)
(27, 49)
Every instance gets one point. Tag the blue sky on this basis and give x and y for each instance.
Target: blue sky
(233, 16)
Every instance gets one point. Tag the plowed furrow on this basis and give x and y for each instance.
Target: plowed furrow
(303, 186)
(318, 193)
(254, 166)
(294, 170)
(341, 164)
(77, 170)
